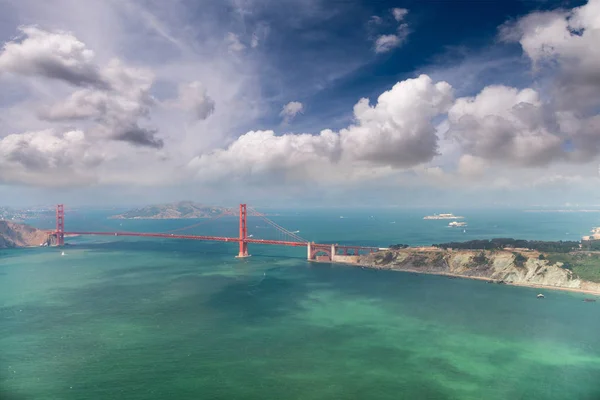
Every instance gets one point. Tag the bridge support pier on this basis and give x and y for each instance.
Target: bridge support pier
(309, 251)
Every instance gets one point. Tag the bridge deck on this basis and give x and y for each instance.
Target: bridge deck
(217, 239)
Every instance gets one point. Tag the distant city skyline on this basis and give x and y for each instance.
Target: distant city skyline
(300, 103)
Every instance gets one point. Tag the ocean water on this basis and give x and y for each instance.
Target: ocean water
(136, 318)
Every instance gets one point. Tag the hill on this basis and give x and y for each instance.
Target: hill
(575, 270)
(180, 210)
(19, 235)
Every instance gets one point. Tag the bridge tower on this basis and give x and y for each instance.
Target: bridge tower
(243, 232)
(60, 225)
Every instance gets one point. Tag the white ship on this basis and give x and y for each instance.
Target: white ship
(457, 224)
(442, 216)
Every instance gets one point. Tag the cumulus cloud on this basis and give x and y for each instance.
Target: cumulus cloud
(47, 158)
(388, 42)
(194, 98)
(396, 132)
(565, 44)
(56, 55)
(114, 109)
(290, 110)
(263, 155)
(505, 124)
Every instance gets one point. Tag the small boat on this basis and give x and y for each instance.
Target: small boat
(62, 254)
(589, 300)
(540, 296)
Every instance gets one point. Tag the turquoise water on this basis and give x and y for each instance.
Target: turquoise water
(132, 318)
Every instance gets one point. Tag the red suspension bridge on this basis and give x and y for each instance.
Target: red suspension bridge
(315, 251)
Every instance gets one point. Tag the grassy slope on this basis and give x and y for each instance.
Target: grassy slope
(585, 265)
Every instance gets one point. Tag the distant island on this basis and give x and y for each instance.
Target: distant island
(20, 235)
(180, 210)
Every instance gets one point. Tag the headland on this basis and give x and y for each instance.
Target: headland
(19, 235)
(573, 270)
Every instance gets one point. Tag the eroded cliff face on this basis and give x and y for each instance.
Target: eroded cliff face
(501, 266)
(19, 235)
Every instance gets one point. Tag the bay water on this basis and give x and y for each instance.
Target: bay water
(139, 318)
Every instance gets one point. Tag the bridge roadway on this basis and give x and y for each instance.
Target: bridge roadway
(196, 237)
(331, 250)
(315, 251)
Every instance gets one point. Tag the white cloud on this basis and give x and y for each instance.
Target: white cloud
(385, 43)
(388, 42)
(112, 102)
(67, 78)
(505, 124)
(262, 155)
(290, 110)
(194, 98)
(399, 13)
(567, 43)
(115, 111)
(48, 158)
(397, 132)
(57, 55)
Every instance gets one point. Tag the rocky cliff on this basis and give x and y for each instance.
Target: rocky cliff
(18, 235)
(521, 268)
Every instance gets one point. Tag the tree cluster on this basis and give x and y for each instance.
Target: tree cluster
(502, 243)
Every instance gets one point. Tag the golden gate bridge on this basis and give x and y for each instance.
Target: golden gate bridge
(315, 251)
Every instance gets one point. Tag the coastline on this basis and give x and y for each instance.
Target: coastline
(480, 278)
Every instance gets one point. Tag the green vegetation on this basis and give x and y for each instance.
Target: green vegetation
(481, 259)
(419, 260)
(591, 244)
(501, 243)
(398, 246)
(183, 209)
(520, 260)
(585, 265)
(387, 258)
(541, 257)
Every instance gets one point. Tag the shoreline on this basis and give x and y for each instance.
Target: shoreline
(480, 278)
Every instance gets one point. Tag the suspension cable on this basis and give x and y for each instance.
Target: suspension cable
(276, 226)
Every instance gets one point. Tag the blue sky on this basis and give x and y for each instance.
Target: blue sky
(465, 102)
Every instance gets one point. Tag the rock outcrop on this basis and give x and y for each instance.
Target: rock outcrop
(521, 268)
(19, 235)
